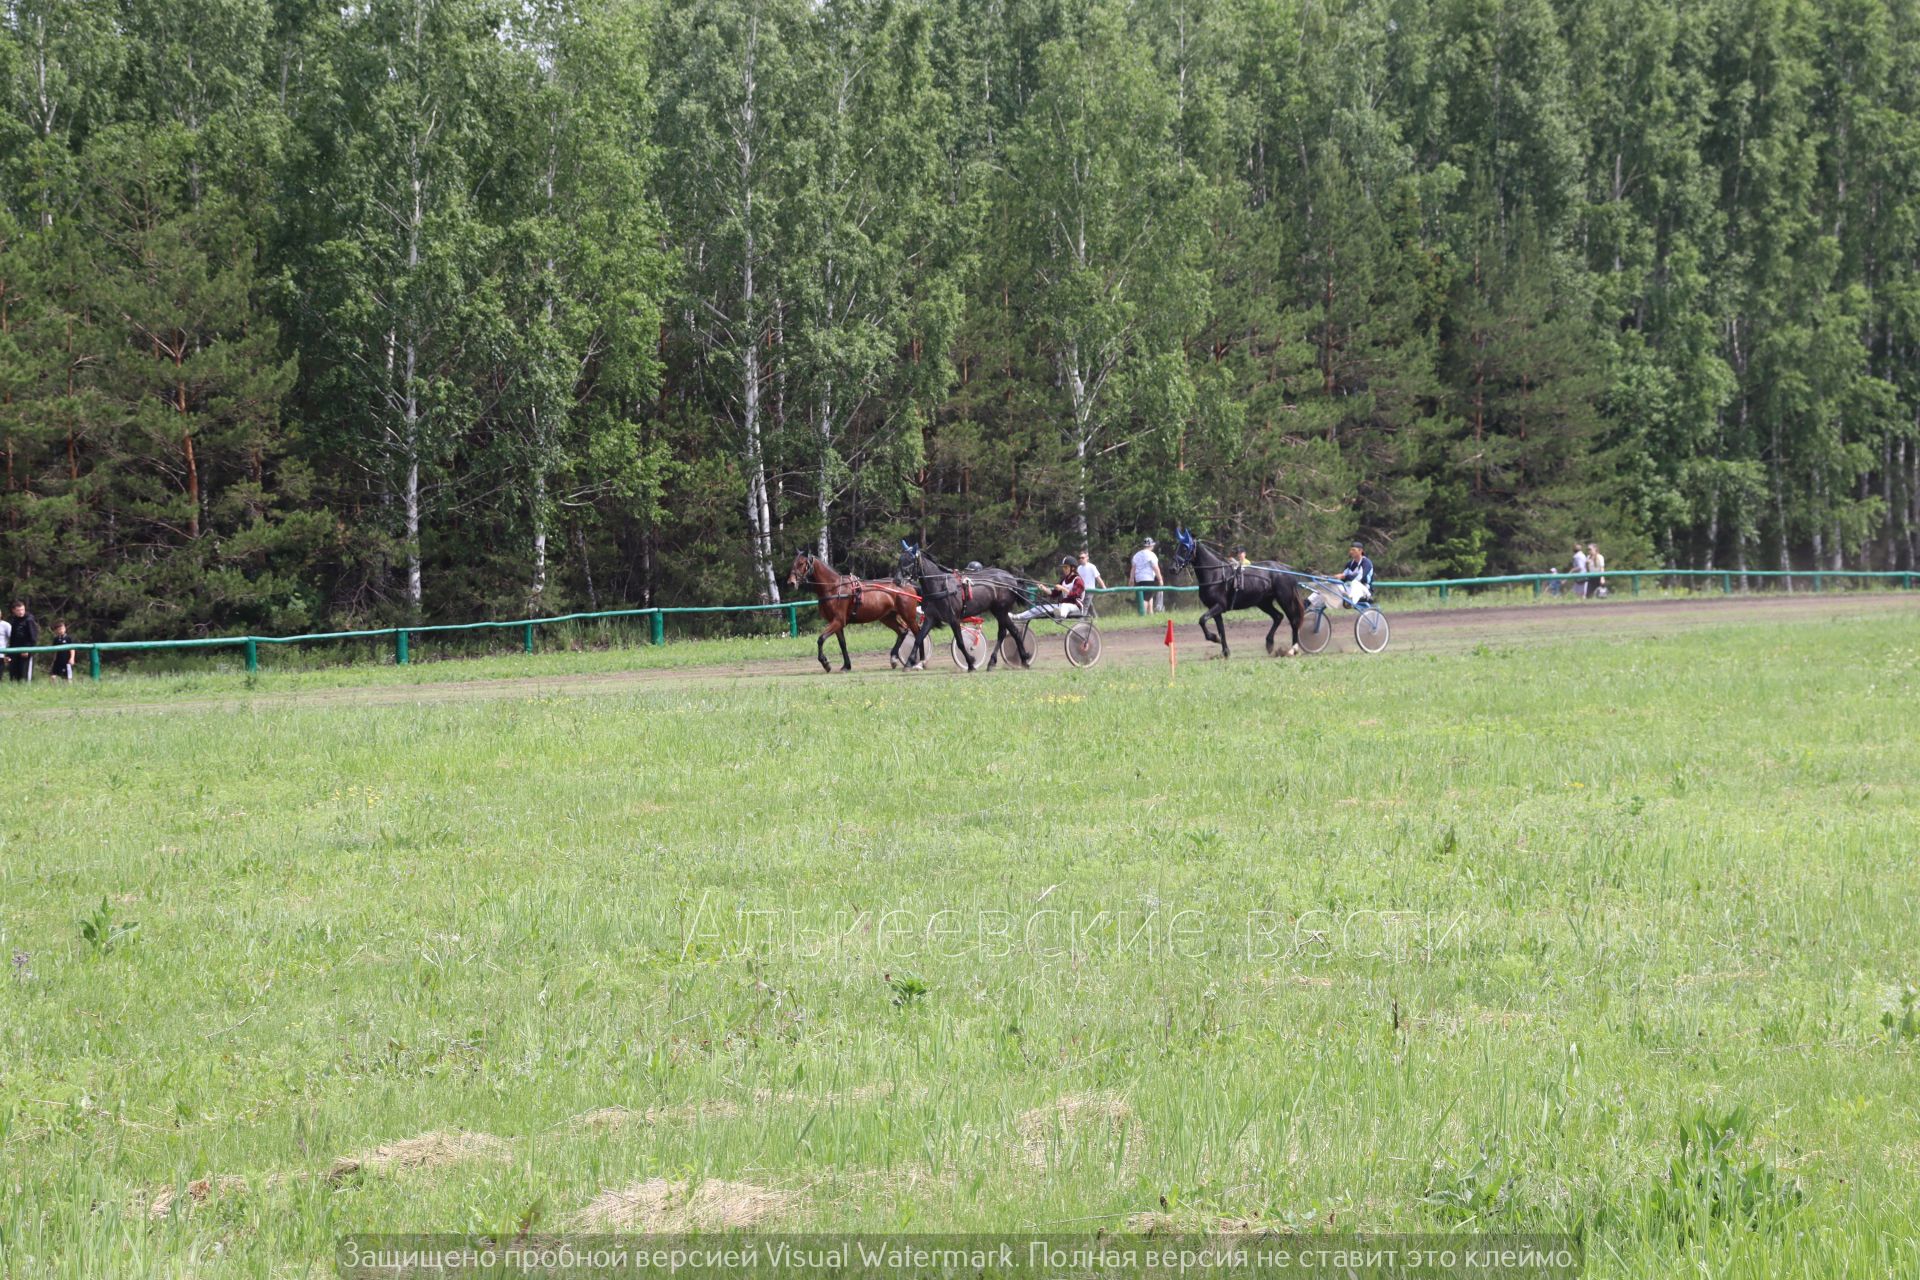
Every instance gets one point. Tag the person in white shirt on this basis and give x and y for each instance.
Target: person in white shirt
(1090, 573)
(6, 638)
(1597, 564)
(1146, 573)
(1579, 570)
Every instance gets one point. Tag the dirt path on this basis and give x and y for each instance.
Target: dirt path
(1427, 631)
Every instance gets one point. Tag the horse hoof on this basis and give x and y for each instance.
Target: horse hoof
(1294, 652)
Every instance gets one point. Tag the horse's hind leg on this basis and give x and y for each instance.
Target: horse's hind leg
(846, 663)
(1296, 614)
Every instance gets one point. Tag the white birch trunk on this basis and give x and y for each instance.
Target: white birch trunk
(759, 509)
(823, 496)
(1082, 413)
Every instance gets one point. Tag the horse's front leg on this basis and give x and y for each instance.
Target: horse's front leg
(1217, 616)
(846, 663)
(1020, 642)
(820, 648)
(899, 638)
(1206, 613)
(917, 661)
(1267, 607)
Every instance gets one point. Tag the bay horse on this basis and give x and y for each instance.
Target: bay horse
(845, 599)
(1267, 585)
(949, 597)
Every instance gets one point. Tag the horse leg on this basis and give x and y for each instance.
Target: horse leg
(1267, 607)
(1218, 614)
(899, 637)
(1020, 643)
(1206, 630)
(1296, 613)
(918, 660)
(820, 647)
(959, 638)
(836, 627)
(846, 663)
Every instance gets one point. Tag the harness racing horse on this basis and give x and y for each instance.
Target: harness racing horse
(845, 599)
(1267, 585)
(948, 598)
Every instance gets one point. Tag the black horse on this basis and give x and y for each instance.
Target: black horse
(949, 597)
(1273, 588)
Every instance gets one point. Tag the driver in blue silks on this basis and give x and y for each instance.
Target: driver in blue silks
(1357, 577)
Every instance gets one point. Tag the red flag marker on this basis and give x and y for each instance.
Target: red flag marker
(1172, 658)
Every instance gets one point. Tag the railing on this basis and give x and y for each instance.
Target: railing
(1444, 586)
(656, 617)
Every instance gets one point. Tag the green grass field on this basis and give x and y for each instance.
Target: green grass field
(1457, 942)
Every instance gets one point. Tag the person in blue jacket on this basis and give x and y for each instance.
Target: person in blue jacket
(1358, 576)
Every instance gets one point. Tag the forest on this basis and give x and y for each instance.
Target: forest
(325, 314)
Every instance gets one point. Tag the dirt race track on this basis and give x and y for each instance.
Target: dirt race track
(1425, 632)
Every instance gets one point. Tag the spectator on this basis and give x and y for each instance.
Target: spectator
(1597, 564)
(1090, 574)
(1579, 572)
(6, 638)
(1554, 585)
(61, 668)
(24, 635)
(1146, 573)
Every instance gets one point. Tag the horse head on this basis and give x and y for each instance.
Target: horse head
(802, 569)
(909, 566)
(1189, 548)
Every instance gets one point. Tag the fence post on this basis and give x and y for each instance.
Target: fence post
(253, 655)
(1536, 588)
(1140, 603)
(400, 647)
(793, 620)
(1636, 583)
(1443, 591)
(529, 637)
(93, 663)
(1818, 579)
(659, 628)
(1726, 584)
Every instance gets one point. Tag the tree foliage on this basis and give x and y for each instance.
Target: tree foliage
(437, 308)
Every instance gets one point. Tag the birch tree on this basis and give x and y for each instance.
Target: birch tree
(1107, 220)
(727, 113)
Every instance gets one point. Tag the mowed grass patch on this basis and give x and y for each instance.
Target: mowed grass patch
(1599, 938)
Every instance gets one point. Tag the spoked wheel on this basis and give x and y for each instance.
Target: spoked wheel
(1083, 644)
(975, 641)
(1370, 629)
(1016, 636)
(1315, 630)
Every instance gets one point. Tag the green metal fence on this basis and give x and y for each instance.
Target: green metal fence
(402, 638)
(1722, 578)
